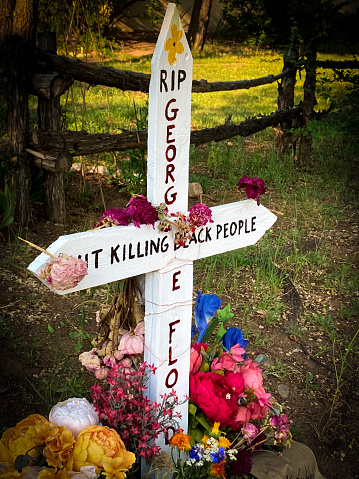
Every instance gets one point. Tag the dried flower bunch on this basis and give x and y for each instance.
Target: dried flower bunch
(64, 272)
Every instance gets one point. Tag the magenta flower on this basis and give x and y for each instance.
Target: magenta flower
(64, 272)
(141, 211)
(200, 214)
(113, 217)
(254, 187)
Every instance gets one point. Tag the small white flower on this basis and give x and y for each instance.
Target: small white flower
(228, 396)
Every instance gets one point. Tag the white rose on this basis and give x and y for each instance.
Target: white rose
(75, 414)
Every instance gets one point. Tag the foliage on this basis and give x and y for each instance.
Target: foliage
(275, 23)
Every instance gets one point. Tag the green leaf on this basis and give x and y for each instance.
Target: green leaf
(50, 329)
(261, 358)
(225, 314)
(221, 332)
(211, 327)
(192, 408)
(203, 421)
(196, 434)
(22, 461)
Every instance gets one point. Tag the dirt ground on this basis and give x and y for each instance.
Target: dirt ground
(40, 330)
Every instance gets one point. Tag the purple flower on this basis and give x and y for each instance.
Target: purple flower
(218, 456)
(141, 211)
(254, 187)
(232, 337)
(200, 214)
(243, 463)
(113, 217)
(207, 305)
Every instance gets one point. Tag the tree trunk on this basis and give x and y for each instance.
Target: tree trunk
(16, 53)
(197, 29)
(305, 157)
(17, 40)
(286, 87)
(49, 113)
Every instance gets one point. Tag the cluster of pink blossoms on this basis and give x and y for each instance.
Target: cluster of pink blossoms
(122, 405)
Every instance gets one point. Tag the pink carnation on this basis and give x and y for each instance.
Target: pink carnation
(64, 272)
(200, 214)
(141, 211)
(113, 217)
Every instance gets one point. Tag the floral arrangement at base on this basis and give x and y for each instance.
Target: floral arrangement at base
(227, 391)
(70, 445)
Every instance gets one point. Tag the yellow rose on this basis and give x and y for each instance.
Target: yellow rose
(51, 474)
(19, 439)
(97, 446)
(58, 443)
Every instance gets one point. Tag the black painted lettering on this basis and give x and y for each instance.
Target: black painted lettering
(253, 223)
(130, 255)
(208, 236)
(163, 80)
(86, 257)
(146, 248)
(219, 229)
(233, 228)
(193, 239)
(114, 254)
(225, 231)
(245, 228)
(240, 226)
(172, 80)
(96, 253)
(164, 245)
(124, 253)
(200, 239)
(154, 246)
(139, 254)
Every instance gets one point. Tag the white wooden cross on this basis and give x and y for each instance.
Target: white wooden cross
(126, 251)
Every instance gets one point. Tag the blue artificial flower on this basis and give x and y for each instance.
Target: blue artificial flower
(207, 305)
(232, 337)
(218, 456)
(195, 453)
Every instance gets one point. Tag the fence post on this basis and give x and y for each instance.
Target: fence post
(286, 87)
(49, 114)
(305, 157)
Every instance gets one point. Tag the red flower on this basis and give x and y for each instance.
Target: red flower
(217, 395)
(141, 211)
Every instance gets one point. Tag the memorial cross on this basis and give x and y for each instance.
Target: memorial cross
(126, 251)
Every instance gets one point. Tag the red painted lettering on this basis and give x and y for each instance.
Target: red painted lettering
(170, 133)
(170, 360)
(173, 197)
(172, 330)
(175, 280)
(171, 148)
(173, 111)
(171, 384)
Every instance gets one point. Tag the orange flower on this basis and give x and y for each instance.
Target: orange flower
(217, 470)
(181, 441)
(204, 441)
(223, 442)
(58, 442)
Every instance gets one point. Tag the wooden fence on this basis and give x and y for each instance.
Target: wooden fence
(53, 149)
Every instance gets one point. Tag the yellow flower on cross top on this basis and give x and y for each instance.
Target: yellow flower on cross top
(174, 45)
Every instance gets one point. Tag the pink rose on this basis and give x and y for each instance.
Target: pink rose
(131, 344)
(237, 353)
(64, 272)
(224, 362)
(90, 360)
(101, 373)
(118, 355)
(195, 360)
(140, 329)
(251, 375)
(217, 395)
(243, 416)
(256, 410)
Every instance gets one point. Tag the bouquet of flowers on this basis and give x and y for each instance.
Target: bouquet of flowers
(226, 389)
(70, 445)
